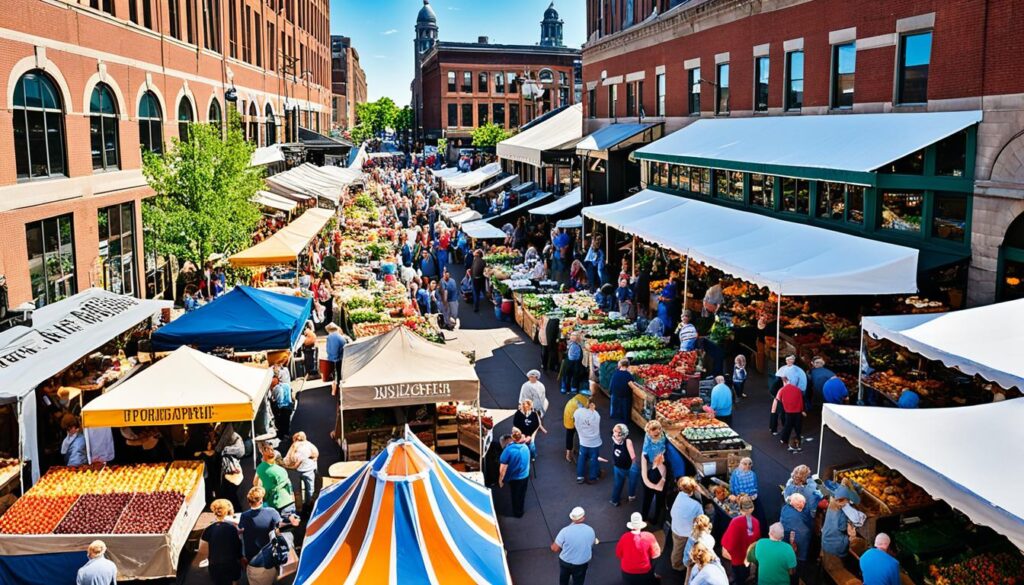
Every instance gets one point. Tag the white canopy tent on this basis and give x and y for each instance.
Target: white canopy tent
(273, 201)
(571, 223)
(481, 230)
(446, 172)
(466, 215)
(564, 127)
(474, 178)
(504, 216)
(564, 203)
(985, 341)
(266, 155)
(949, 452)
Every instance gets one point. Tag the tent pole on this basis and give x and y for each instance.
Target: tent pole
(778, 332)
(633, 261)
(252, 428)
(21, 449)
(88, 450)
(821, 442)
(686, 282)
(861, 358)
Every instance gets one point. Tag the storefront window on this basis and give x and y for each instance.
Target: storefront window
(831, 201)
(675, 171)
(951, 155)
(157, 275)
(1013, 280)
(949, 219)
(51, 259)
(855, 204)
(901, 211)
(513, 115)
(729, 185)
(700, 180)
(762, 190)
(721, 183)
(116, 247)
(499, 113)
(912, 164)
(683, 180)
(659, 172)
(796, 195)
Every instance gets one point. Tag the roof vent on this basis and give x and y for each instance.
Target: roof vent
(482, 40)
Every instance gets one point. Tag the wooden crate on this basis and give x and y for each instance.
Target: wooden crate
(708, 463)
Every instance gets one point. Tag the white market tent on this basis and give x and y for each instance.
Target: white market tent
(564, 203)
(789, 258)
(985, 341)
(474, 178)
(308, 180)
(481, 230)
(504, 216)
(466, 215)
(949, 452)
(266, 155)
(571, 223)
(273, 201)
(446, 172)
(495, 186)
(564, 127)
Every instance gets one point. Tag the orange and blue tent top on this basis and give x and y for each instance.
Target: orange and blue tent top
(406, 517)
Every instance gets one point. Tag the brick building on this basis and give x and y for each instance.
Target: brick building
(89, 81)
(348, 83)
(675, 63)
(460, 86)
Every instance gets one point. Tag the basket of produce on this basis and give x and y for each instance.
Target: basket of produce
(643, 342)
(888, 487)
(651, 356)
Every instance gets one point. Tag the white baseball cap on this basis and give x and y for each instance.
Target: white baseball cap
(577, 514)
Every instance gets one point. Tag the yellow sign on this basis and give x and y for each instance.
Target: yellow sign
(157, 416)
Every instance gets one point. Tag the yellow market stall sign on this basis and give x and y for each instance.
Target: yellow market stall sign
(179, 415)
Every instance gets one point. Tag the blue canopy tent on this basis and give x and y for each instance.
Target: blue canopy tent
(246, 319)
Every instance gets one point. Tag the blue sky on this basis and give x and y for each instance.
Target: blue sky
(382, 31)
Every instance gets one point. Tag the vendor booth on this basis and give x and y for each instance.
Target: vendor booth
(482, 230)
(567, 204)
(405, 517)
(245, 319)
(545, 151)
(285, 245)
(274, 201)
(473, 178)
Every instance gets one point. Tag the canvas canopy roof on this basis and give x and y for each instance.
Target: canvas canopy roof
(481, 230)
(186, 387)
(273, 201)
(571, 199)
(612, 137)
(266, 155)
(571, 223)
(399, 368)
(495, 186)
(787, 257)
(527, 146)
(827, 147)
(473, 178)
(950, 452)
(446, 172)
(985, 341)
(285, 245)
(466, 215)
(308, 180)
(405, 517)
(246, 319)
(508, 214)
(357, 157)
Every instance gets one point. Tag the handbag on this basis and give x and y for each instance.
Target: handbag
(273, 554)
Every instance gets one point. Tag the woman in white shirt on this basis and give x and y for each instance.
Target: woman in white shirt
(533, 389)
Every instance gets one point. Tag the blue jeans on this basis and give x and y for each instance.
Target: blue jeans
(622, 476)
(620, 408)
(306, 481)
(587, 454)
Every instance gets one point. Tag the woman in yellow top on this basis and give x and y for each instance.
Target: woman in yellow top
(579, 400)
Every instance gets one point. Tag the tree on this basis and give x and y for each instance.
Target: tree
(489, 135)
(377, 116)
(404, 119)
(203, 190)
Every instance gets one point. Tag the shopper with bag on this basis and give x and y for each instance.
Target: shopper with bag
(302, 457)
(260, 528)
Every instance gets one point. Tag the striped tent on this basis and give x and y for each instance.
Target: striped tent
(406, 517)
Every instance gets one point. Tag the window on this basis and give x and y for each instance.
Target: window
(39, 149)
(104, 5)
(659, 88)
(679, 177)
(693, 91)
(901, 211)
(513, 115)
(796, 195)
(190, 22)
(951, 155)
(133, 12)
(453, 115)
(151, 136)
(613, 100)
(761, 66)
(563, 96)
(467, 82)
(117, 247)
(271, 47)
(481, 82)
(103, 128)
(246, 34)
(844, 65)
(513, 82)
(499, 82)
(700, 180)
(640, 98)
(467, 115)
(211, 28)
(451, 81)
(481, 114)
(254, 128)
(592, 103)
(729, 185)
(794, 80)
(147, 14)
(546, 76)
(51, 259)
(831, 200)
(722, 90)
(271, 125)
(174, 16)
(912, 164)
(627, 20)
(498, 113)
(258, 33)
(915, 56)
(949, 219)
(762, 191)
(157, 275)
(659, 174)
(184, 118)
(214, 115)
(233, 28)
(630, 100)
(855, 204)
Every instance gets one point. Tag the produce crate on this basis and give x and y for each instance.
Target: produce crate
(637, 417)
(710, 463)
(530, 324)
(518, 309)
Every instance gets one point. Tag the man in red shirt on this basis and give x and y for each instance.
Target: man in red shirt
(637, 550)
(793, 405)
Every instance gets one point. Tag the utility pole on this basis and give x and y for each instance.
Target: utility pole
(288, 64)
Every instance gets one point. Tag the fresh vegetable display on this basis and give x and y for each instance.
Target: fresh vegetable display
(538, 304)
(602, 346)
(35, 514)
(610, 356)
(365, 316)
(660, 379)
(699, 421)
(651, 356)
(151, 513)
(677, 410)
(1001, 568)
(93, 514)
(888, 486)
(642, 342)
(708, 433)
(603, 335)
(685, 362)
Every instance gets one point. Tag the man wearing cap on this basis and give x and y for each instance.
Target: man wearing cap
(588, 427)
(98, 570)
(879, 567)
(574, 545)
(636, 551)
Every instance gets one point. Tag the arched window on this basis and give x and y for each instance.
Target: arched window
(254, 128)
(546, 76)
(184, 118)
(214, 115)
(271, 125)
(39, 148)
(103, 128)
(151, 135)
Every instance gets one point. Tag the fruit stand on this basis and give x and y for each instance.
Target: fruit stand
(144, 513)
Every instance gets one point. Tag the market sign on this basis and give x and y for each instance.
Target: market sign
(439, 390)
(158, 416)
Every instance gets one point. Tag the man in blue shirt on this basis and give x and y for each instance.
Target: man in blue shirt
(575, 547)
(818, 375)
(515, 468)
(98, 570)
(908, 399)
(834, 391)
(721, 400)
(428, 264)
(620, 391)
(256, 524)
(335, 352)
(877, 566)
(421, 297)
(573, 362)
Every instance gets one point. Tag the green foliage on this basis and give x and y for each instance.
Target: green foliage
(404, 119)
(442, 146)
(376, 117)
(203, 190)
(489, 135)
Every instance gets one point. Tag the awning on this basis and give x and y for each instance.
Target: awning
(571, 223)
(308, 180)
(266, 155)
(313, 139)
(846, 148)
(428, 372)
(528, 145)
(285, 245)
(481, 230)
(187, 387)
(571, 199)
(495, 186)
(984, 341)
(966, 455)
(474, 178)
(789, 258)
(446, 172)
(273, 201)
(615, 137)
(356, 158)
(530, 203)
(466, 215)
(524, 187)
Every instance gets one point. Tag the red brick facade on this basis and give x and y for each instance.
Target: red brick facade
(77, 47)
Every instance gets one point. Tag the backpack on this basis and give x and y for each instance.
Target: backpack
(273, 555)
